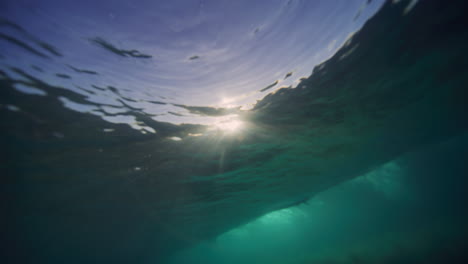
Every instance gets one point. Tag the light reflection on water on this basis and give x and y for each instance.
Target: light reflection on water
(220, 56)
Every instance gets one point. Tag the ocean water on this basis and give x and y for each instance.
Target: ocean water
(234, 132)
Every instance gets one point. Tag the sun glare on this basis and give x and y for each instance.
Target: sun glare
(229, 126)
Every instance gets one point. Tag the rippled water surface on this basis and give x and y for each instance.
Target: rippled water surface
(266, 131)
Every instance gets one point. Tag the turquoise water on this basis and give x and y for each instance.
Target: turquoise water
(401, 212)
(362, 161)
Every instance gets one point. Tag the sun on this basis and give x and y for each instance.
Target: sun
(229, 125)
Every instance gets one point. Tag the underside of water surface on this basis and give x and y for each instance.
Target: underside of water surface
(234, 132)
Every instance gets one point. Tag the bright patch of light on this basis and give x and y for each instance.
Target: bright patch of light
(229, 125)
(228, 102)
(283, 216)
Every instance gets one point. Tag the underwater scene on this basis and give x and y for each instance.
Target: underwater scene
(221, 131)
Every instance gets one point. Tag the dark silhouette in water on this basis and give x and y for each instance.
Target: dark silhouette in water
(63, 76)
(82, 70)
(39, 69)
(269, 86)
(46, 46)
(23, 45)
(121, 52)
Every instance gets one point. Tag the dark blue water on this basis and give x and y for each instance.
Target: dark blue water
(116, 148)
